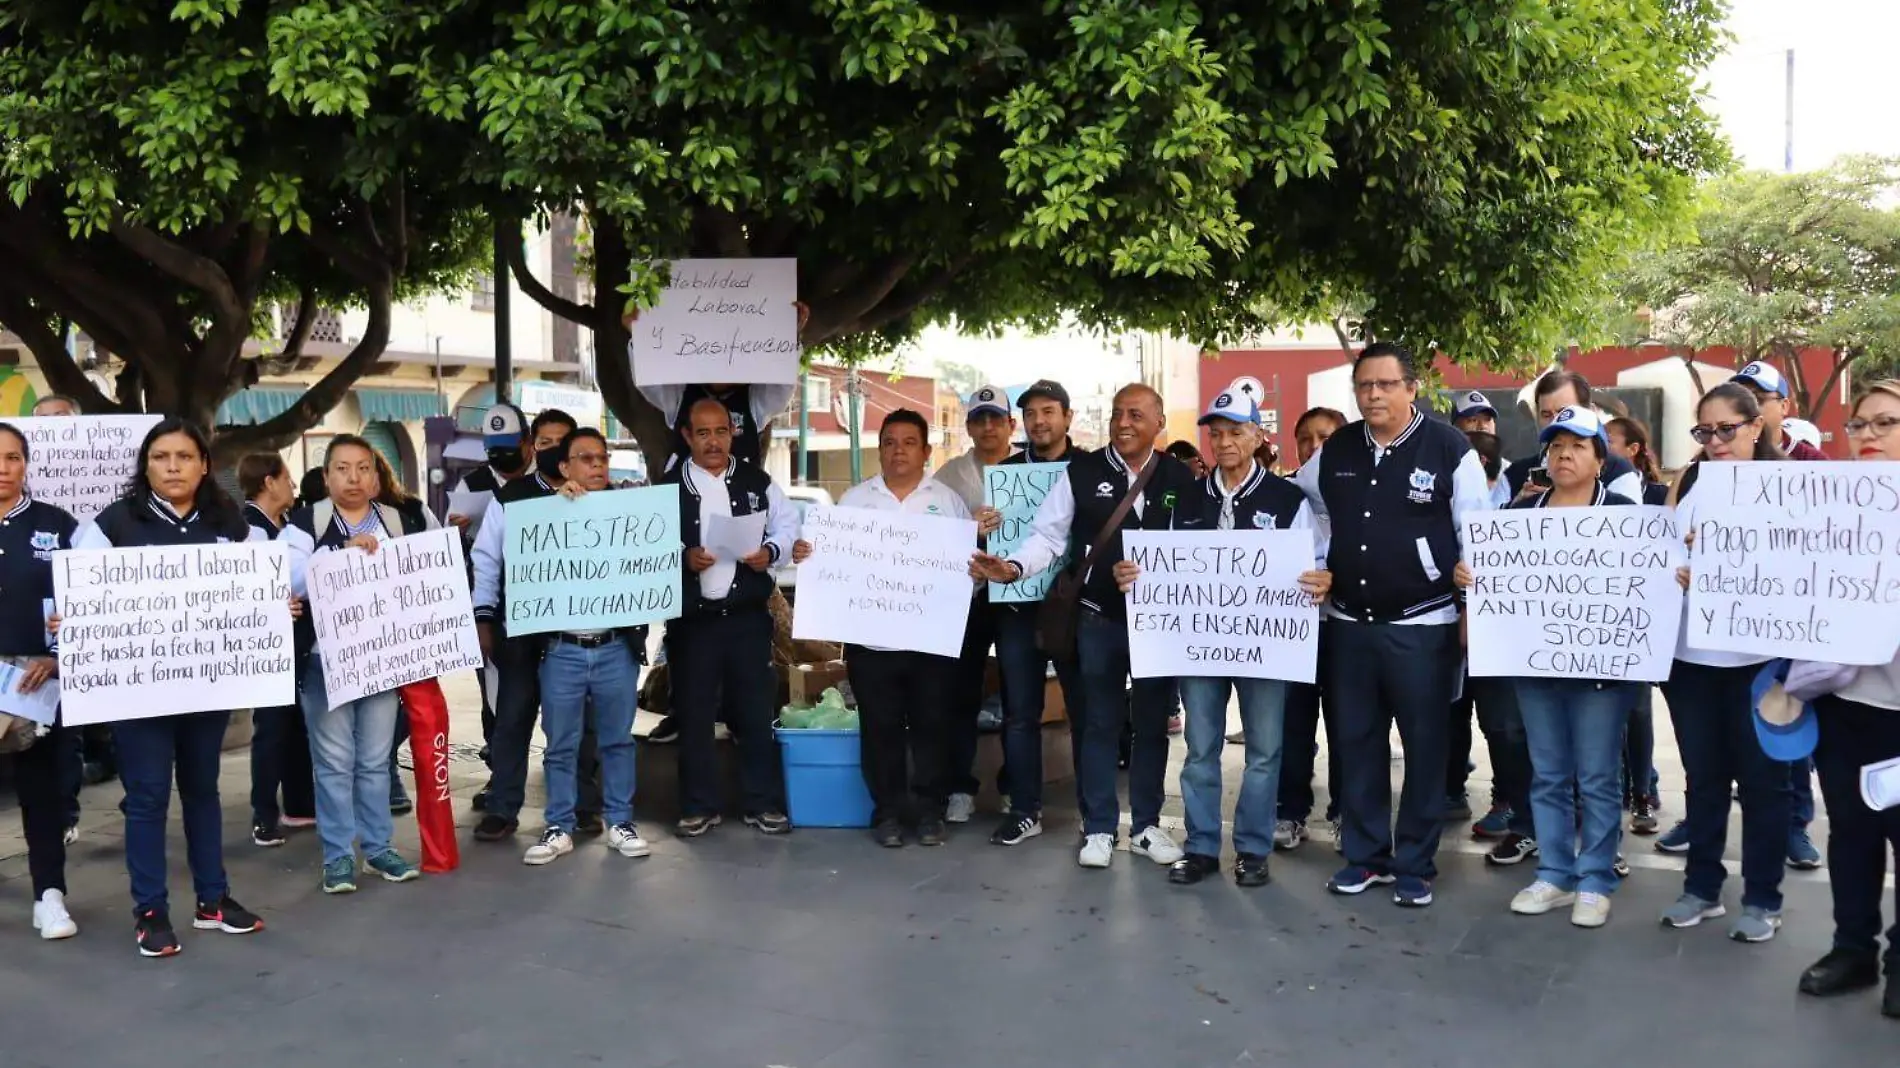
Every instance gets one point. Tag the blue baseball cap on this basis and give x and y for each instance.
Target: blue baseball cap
(1764, 377)
(503, 427)
(1234, 407)
(1785, 727)
(987, 399)
(1472, 402)
(1583, 422)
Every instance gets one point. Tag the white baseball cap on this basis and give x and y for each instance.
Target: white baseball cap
(987, 399)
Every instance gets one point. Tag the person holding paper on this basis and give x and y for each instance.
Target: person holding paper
(903, 696)
(719, 651)
(1020, 659)
(30, 533)
(172, 500)
(280, 750)
(1573, 727)
(1396, 488)
(1711, 703)
(349, 743)
(1238, 495)
(583, 672)
(749, 406)
(1859, 728)
(1129, 485)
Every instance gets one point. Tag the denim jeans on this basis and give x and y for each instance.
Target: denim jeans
(1262, 720)
(1713, 710)
(1102, 658)
(151, 752)
(1800, 794)
(349, 758)
(570, 675)
(1025, 670)
(1639, 746)
(1574, 728)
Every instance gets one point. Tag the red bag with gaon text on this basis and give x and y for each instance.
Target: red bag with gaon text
(428, 716)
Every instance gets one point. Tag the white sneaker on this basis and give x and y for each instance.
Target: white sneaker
(72, 834)
(1097, 851)
(50, 917)
(1288, 834)
(1541, 897)
(1155, 844)
(959, 808)
(626, 838)
(554, 844)
(1591, 910)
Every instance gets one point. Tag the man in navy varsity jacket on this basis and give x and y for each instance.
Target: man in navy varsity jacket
(1396, 487)
(719, 651)
(1072, 516)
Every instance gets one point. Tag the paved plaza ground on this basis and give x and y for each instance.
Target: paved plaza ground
(823, 951)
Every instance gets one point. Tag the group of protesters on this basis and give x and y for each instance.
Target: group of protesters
(1384, 499)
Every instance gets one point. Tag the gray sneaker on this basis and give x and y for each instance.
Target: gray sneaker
(1690, 910)
(1755, 924)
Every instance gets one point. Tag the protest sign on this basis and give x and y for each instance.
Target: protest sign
(1017, 490)
(1221, 603)
(1573, 593)
(726, 320)
(82, 462)
(41, 706)
(885, 579)
(610, 559)
(396, 616)
(1798, 560)
(160, 630)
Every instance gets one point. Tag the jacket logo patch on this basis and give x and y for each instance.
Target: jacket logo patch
(1262, 520)
(45, 540)
(1167, 499)
(1422, 483)
(752, 500)
(1104, 489)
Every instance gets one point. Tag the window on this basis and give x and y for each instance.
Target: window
(817, 393)
(483, 297)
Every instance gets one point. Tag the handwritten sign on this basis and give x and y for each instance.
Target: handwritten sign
(82, 462)
(1796, 560)
(161, 630)
(720, 321)
(885, 579)
(396, 616)
(1577, 593)
(1221, 603)
(1017, 490)
(608, 560)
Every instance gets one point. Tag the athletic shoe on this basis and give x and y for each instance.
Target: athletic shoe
(929, 831)
(1513, 848)
(401, 806)
(1841, 971)
(625, 837)
(666, 733)
(769, 822)
(1098, 851)
(392, 867)
(1250, 870)
(1620, 866)
(226, 915)
(1339, 836)
(959, 808)
(889, 834)
(589, 824)
(1690, 910)
(50, 917)
(72, 833)
(1155, 844)
(1288, 834)
(1541, 897)
(1802, 856)
(1174, 724)
(1591, 910)
(1495, 824)
(1457, 808)
(694, 826)
(1015, 828)
(339, 876)
(1192, 868)
(1755, 924)
(555, 843)
(266, 835)
(155, 935)
(1643, 817)
(1412, 892)
(1353, 879)
(297, 823)
(493, 828)
(1675, 840)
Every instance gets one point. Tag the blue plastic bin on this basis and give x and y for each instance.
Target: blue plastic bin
(824, 782)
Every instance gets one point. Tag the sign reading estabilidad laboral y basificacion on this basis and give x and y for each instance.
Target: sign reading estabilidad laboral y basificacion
(729, 320)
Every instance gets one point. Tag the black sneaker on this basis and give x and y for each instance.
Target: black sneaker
(493, 828)
(1842, 971)
(930, 832)
(480, 801)
(666, 733)
(1513, 848)
(155, 935)
(225, 915)
(1643, 817)
(694, 826)
(770, 821)
(888, 834)
(1015, 829)
(401, 806)
(266, 835)
(1192, 868)
(589, 824)
(1250, 869)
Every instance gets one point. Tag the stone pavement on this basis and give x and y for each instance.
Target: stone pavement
(822, 951)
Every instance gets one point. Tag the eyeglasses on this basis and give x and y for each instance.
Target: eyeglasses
(587, 458)
(1726, 431)
(1379, 385)
(1879, 426)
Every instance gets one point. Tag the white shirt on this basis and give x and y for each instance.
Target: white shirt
(1876, 686)
(1470, 492)
(490, 543)
(715, 498)
(1685, 520)
(1049, 531)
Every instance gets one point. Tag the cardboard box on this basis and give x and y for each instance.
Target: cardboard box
(810, 681)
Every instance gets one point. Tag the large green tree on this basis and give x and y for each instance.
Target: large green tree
(1778, 263)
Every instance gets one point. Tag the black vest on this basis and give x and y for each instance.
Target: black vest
(482, 480)
(29, 536)
(1394, 543)
(256, 517)
(746, 444)
(1027, 454)
(1099, 480)
(746, 486)
(131, 522)
(1265, 502)
(521, 489)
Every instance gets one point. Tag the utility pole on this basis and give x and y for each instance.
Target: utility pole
(504, 327)
(1787, 155)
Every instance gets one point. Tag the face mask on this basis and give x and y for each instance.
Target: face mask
(507, 461)
(549, 464)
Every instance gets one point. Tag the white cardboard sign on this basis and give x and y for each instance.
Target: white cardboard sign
(728, 320)
(82, 462)
(1221, 603)
(396, 616)
(885, 579)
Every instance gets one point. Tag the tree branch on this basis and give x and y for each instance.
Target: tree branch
(573, 311)
(721, 232)
(613, 266)
(300, 330)
(902, 302)
(198, 272)
(49, 351)
(287, 426)
(830, 316)
(1844, 357)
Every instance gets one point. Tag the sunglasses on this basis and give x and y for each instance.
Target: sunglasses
(1725, 431)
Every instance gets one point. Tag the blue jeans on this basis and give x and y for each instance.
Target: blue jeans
(150, 752)
(570, 674)
(1025, 671)
(1713, 710)
(1800, 794)
(1262, 720)
(1102, 657)
(1574, 728)
(1639, 746)
(349, 759)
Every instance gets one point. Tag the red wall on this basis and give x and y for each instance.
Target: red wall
(884, 393)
